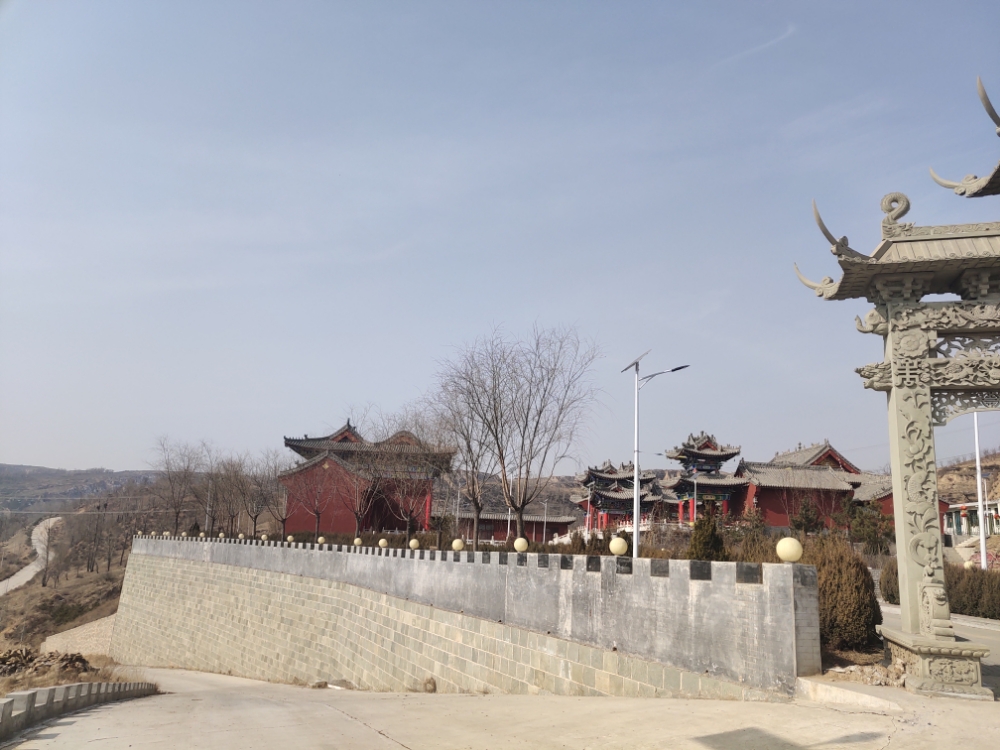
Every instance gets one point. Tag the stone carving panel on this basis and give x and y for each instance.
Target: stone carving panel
(961, 346)
(946, 405)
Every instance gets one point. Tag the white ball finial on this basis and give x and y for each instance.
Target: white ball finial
(618, 546)
(521, 544)
(321, 540)
(383, 543)
(789, 549)
(358, 541)
(263, 537)
(241, 537)
(222, 535)
(458, 545)
(414, 544)
(290, 539)
(201, 534)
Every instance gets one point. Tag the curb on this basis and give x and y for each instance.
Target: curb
(814, 690)
(24, 709)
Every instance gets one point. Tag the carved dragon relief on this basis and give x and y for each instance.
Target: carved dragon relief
(920, 482)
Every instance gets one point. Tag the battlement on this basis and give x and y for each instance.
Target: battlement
(754, 626)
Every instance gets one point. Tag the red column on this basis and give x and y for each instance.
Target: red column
(725, 507)
(693, 504)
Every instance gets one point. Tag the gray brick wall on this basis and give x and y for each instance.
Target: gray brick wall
(389, 622)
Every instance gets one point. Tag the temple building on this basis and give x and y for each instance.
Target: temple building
(347, 481)
(550, 515)
(609, 495)
(702, 481)
(819, 473)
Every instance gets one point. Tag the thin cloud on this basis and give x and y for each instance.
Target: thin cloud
(754, 50)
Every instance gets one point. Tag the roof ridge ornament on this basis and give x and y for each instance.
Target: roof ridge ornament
(895, 206)
(972, 186)
(841, 248)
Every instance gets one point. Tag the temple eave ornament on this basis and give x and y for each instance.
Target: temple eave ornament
(972, 186)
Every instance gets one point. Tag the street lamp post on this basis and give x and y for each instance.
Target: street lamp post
(639, 383)
(979, 495)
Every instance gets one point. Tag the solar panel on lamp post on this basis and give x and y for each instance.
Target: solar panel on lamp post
(639, 383)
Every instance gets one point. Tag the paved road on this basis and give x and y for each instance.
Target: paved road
(35, 567)
(218, 713)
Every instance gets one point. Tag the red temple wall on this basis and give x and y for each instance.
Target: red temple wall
(337, 485)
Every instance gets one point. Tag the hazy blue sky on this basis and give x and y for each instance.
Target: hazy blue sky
(232, 221)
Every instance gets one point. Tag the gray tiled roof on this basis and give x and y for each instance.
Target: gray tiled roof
(793, 476)
(873, 490)
(805, 456)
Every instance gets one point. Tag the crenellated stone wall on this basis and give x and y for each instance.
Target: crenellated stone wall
(486, 622)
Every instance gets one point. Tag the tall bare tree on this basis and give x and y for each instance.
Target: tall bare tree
(452, 406)
(178, 465)
(531, 398)
(264, 489)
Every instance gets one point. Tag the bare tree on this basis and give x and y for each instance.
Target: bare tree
(264, 489)
(531, 397)
(452, 405)
(178, 467)
(313, 488)
(48, 538)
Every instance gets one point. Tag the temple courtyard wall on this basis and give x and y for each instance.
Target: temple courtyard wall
(469, 622)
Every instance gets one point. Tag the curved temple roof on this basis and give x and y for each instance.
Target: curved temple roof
(926, 255)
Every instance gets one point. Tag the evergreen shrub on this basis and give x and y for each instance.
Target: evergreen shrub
(706, 541)
(974, 592)
(888, 581)
(848, 608)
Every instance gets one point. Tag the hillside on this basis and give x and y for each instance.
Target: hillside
(957, 482)
(21, 486)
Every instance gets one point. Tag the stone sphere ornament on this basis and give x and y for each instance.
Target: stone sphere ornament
(383, 543)
(321, 540)
(358, 541)
(263, 537)
(290, 539)
(414, 544)
(521, 544)
(166, 533)
(458, 545)
(618, 546)
(222, 535)
(184, 533)
(241, 537)
(201, 534)
(789, 549)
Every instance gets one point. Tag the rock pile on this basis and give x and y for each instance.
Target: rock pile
(18, 661)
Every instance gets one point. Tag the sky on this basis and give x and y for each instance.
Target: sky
(233, 222)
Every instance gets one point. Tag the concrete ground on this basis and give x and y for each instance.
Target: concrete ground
(218, 712)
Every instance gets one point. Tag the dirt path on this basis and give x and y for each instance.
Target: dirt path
(36, 566)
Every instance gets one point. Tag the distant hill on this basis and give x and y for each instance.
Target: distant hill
(21, 486)
(957, 481)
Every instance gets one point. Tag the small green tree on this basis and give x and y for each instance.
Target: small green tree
(706, 541)
(874, 530)
(807, 518)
